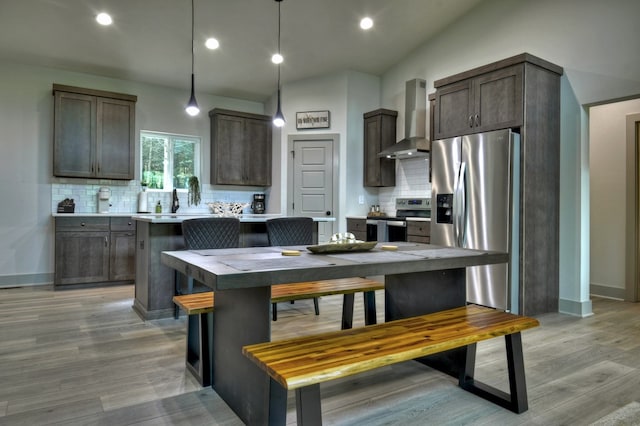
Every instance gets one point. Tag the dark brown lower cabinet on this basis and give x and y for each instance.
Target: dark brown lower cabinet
(358, 227)
(91, 250)
(122, 256)
(419, 231)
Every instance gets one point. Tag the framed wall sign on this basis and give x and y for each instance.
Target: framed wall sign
(313, 120)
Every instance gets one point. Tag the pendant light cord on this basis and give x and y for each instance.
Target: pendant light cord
(278, 119)
(192, 106)
(279, 52)
(192, 37)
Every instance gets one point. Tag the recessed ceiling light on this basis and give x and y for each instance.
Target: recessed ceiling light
(104, 19)
(277, 58)
(212, 43)
(366, 23)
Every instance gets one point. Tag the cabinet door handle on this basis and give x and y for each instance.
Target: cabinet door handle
(471, 121)
(477, 120)
(106, 242)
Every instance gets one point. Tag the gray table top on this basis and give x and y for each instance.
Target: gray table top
(226, 269)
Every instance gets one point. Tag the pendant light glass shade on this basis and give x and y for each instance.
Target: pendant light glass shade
(192, 106)
(278, 119)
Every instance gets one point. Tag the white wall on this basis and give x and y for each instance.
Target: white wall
(347, 96)
(595, 42)
(607, 150)
(26, 120)
(325, 93)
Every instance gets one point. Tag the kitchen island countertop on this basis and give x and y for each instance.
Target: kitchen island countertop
(93, 214)
(179, 218)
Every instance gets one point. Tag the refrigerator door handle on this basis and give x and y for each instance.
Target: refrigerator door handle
(459, 207)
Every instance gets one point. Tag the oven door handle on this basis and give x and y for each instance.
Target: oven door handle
(398, 223)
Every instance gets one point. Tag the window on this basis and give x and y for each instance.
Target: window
(168, 161)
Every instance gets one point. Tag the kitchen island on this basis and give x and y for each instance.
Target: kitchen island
(155, 283)
(419, 279)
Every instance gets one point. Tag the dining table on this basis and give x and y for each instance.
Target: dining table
(419, 279)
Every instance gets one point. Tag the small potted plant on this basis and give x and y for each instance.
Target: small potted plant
(194, 191)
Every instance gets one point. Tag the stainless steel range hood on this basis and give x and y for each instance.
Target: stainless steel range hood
(415, 144)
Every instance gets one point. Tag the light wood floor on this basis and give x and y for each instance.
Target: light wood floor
(83, 357)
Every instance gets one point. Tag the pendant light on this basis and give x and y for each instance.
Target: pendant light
(192, 107)
(278, 119)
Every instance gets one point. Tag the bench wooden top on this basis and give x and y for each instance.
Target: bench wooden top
(195, 303)
(198, 303)
(308, 360)
(310, 289)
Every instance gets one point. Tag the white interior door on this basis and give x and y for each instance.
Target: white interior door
(312, 181)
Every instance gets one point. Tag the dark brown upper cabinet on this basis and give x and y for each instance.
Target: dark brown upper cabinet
(240, 148)
(93, 133)
(379, 133)
(490, 101)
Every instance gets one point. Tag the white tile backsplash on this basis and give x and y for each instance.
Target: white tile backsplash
(412, 180)
(124, 196)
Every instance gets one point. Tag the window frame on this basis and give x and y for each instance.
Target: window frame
(168, 177)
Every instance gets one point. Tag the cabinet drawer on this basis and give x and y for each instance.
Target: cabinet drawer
(82, 224)
(418, 239)
(123, 224)
(356, 225)
(362, 236)
(419, 228)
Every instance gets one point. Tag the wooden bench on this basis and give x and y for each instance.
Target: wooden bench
(303, 363)
(345, 286)
(199, 308)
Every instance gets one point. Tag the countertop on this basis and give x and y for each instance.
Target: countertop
(93, 214)
(409, 219)
(178, 218)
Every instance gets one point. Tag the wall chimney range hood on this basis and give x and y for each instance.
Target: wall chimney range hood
(414, 144)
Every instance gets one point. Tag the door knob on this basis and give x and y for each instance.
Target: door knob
(328, 213)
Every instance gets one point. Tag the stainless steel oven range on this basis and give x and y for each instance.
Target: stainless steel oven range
(394, 228)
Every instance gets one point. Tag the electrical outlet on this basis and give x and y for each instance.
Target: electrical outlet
(361, 199)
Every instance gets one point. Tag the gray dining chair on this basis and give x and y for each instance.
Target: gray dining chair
(290, 231)
(203, 234)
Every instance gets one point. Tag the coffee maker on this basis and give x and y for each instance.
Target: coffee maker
(104, 198)
(258, 204)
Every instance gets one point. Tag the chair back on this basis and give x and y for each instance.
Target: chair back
(211, 233)
(290, 231)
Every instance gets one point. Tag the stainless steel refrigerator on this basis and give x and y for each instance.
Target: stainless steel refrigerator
(475, 186)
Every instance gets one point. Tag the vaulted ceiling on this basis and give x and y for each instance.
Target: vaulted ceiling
(150, 40)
